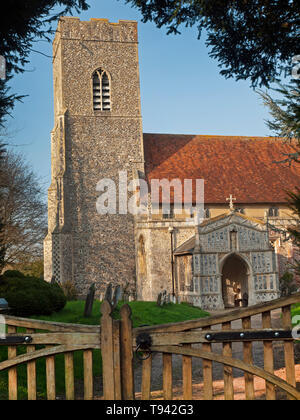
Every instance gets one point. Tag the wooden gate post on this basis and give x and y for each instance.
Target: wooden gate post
(110, 350)
(127, 372)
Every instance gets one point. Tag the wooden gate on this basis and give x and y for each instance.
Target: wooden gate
(117, 341)
(45, 340)
(196, 338)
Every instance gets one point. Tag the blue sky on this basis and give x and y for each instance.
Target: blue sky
(181, 91)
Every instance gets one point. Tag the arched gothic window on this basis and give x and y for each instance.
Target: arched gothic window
(273, 212)
(206, 213)
(240, 210)
(142, 264)
(101, 91)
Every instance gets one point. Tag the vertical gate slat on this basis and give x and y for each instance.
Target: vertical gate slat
(167, 376)
(248, 358)
(69, 376)
(117, 360)
(268, 357)
(126, 351)
(31, 371)
(146, 378)
(207, 372)
(50, 377)
(187, 382)
(289, 349)
(109, 337)
(12, 372)
(228, 377)
(88, 374)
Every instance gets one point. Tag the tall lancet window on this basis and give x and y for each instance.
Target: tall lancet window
(101, 91)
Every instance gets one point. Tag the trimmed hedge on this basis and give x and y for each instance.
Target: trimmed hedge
(27, 296)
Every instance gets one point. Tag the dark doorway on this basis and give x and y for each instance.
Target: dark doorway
(235, 282)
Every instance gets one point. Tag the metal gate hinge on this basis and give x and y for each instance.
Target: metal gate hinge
(15, 340)
(249, 335)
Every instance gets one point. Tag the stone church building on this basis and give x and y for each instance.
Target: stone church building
(233, 256)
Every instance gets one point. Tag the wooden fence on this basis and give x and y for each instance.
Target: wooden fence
(117, 340)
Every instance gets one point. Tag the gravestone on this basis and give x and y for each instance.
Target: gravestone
(126, 293)
(158, 302)
(108, 293)
(118, 294)
(88, 309)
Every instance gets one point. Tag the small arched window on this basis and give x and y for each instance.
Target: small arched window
(273, 212)
(142, 264)
(101, 91)
(206, 213)
(240, 210)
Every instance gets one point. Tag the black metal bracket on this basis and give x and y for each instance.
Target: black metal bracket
(249, 335)
(15, 340)
(143, 343)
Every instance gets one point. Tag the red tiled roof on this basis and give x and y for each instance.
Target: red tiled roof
(242, 166)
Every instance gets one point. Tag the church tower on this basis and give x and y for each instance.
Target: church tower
(97, 134)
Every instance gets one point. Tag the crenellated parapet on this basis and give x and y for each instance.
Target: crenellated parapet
(97, 30)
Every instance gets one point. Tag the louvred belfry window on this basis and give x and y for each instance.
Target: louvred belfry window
(101, 91)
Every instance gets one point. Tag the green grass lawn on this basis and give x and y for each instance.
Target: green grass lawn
(142, 313)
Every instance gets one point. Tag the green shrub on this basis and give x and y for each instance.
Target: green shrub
(13, 273)
(28, 296)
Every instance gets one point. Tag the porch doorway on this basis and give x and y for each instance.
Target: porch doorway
(235, 282)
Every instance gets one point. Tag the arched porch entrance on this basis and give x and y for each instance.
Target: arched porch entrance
(235, 287)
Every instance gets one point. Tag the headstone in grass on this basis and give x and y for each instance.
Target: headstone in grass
(115, 297)
(118, 294)
(108, 293)
(158, 302)
(164, 297)
(88, 309)
(126, 293)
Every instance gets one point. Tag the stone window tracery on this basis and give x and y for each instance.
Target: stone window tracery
(101, 91)
(273, 212)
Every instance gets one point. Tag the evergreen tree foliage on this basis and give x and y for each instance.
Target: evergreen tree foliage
(253, 40)
(22, 23)
(285, 112)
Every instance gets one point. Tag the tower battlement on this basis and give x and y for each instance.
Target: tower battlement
(97, 30)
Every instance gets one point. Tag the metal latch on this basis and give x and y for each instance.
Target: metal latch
(143, 343)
